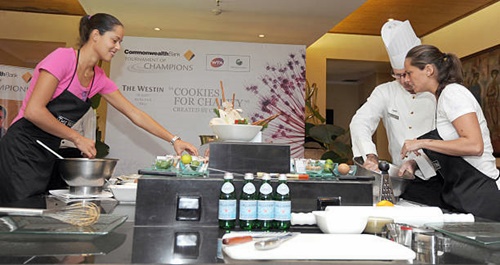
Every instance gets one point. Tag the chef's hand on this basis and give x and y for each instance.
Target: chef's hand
(86, 146)
(408, 166)
(181, 146)
(411, 146)
(371, 162)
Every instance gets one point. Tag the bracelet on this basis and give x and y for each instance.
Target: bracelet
(174, 139)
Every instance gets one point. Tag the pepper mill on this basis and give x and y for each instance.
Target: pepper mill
(386, 191)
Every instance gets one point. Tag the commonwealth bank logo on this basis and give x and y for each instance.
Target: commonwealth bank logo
(189, 55)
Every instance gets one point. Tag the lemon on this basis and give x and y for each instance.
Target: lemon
(385, 203)
(186, 159)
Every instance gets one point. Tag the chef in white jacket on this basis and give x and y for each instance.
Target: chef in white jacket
(405, 114)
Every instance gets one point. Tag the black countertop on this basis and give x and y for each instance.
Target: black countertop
(158, 236)
(131, 244)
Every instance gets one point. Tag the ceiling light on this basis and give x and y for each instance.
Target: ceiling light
(157, 29)
(217, 11)
(261, 35)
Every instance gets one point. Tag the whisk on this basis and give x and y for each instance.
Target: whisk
(78, 214)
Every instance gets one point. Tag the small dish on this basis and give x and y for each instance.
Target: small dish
(192, 169)
(164, 162)
(314, 167)
(377, 225)
(124, 193)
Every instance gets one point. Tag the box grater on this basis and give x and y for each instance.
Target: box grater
(386, 191)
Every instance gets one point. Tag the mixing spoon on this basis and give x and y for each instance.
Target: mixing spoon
(49, 149)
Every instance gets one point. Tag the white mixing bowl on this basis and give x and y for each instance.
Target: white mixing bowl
(236, 132)
(341, 221)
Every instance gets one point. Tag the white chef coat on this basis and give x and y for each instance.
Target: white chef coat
(405, 116)
(455, 101)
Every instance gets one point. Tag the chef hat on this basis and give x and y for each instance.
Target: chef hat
(398, 38)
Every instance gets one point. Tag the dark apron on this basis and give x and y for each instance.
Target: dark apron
(25, 166)
(463, 188)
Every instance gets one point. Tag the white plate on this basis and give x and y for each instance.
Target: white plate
(65, 194)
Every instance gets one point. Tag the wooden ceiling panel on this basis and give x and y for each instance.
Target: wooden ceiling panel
(62, 7)
(25, 52)
(425, 16)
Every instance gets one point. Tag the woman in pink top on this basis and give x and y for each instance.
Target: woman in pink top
(58, 96)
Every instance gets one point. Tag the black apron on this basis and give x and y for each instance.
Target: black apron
(25, 166)
(463, 188)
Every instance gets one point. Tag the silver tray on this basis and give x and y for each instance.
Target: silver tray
(22, 227)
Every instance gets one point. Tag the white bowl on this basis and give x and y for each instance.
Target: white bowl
(236, 132)
(124, 193)
(341, 221)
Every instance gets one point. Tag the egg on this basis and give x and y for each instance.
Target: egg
(343, 169)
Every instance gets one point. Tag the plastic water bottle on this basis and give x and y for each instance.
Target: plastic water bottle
(282, 205)
(265, 204)
(227, 203)
(248, 204)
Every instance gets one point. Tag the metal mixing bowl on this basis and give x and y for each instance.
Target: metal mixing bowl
(205, 139)
(86, 176)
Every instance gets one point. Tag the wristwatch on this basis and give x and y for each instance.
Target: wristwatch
(174, 139)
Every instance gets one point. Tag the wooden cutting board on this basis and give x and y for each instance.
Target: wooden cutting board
(325, 247)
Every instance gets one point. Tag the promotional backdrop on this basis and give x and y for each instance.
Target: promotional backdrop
(13, 86)
(178, 81)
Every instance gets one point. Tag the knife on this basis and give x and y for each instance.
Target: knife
(273, 242)
(256, 236)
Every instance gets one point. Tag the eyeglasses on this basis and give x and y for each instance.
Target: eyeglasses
(399, 76)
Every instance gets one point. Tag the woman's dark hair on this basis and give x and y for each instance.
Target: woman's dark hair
(447, 65)
(101, 21)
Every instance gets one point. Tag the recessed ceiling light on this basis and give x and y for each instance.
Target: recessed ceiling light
(157, 29)
(261, 35)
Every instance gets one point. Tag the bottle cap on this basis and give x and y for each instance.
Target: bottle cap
(248, 175)
(228, 175)
(282, 177)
